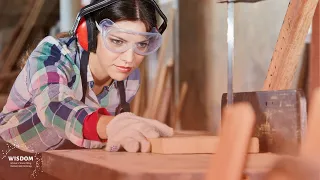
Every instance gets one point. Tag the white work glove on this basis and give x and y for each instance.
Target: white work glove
(131, 132)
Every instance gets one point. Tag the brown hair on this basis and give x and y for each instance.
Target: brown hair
(131, 10)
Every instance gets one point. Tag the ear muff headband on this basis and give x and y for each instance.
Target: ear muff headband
(83, 27)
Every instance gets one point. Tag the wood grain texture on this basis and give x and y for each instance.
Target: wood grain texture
(102, 165)
(290, 44)
(192, 145)
(281, 118)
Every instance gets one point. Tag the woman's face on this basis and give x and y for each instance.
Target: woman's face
(119, 65)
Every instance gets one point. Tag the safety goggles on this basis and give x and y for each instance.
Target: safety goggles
(120, 40)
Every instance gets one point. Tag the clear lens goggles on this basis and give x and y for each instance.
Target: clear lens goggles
(120, 40)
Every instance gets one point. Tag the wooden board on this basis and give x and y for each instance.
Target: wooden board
(192, 145)
(281, 118)
(290, 44)
(234, 144)
(102, 165)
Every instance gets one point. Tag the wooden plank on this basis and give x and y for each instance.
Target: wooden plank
(191, 133)
(101, 165)
(163, 95)
(192, 145)
(138, 99)
(164, 106)
(152, 113)
(183, 92)
(314, 60)
(281, 118)
(290, 44)
(235, 142)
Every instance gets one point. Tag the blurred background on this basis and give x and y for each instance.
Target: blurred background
(183, 82)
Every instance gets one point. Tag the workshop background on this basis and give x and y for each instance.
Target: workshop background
(184, 81)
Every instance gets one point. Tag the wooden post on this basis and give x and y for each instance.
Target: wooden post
(290, 43)
(194, 60)
(314, 62)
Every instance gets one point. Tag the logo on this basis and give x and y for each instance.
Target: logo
(31, 162)
(20, 158)
(20, 161)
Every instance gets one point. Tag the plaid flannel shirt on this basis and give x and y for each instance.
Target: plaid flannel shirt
(44, 106)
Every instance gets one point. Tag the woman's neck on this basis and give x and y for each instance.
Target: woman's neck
(100, 78)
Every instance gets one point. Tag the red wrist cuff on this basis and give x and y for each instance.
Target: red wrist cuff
(90, 125)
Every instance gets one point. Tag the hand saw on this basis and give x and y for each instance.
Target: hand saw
(230, 40)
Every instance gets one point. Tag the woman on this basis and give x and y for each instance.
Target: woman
(50, 101)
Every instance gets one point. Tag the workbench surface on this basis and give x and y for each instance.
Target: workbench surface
(98, 164)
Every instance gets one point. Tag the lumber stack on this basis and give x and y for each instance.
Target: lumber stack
(33, 24)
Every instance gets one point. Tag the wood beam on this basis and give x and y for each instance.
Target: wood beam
(194, 61)
(290, 44)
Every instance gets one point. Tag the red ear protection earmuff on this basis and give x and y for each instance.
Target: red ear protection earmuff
(82, 34)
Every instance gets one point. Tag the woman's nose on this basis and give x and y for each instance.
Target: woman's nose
(128, 55)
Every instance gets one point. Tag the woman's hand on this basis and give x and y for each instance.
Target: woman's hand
(131, 132)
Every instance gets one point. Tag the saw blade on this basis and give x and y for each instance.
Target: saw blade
(230, 40)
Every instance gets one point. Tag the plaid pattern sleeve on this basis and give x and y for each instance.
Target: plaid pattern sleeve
(44, 106)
